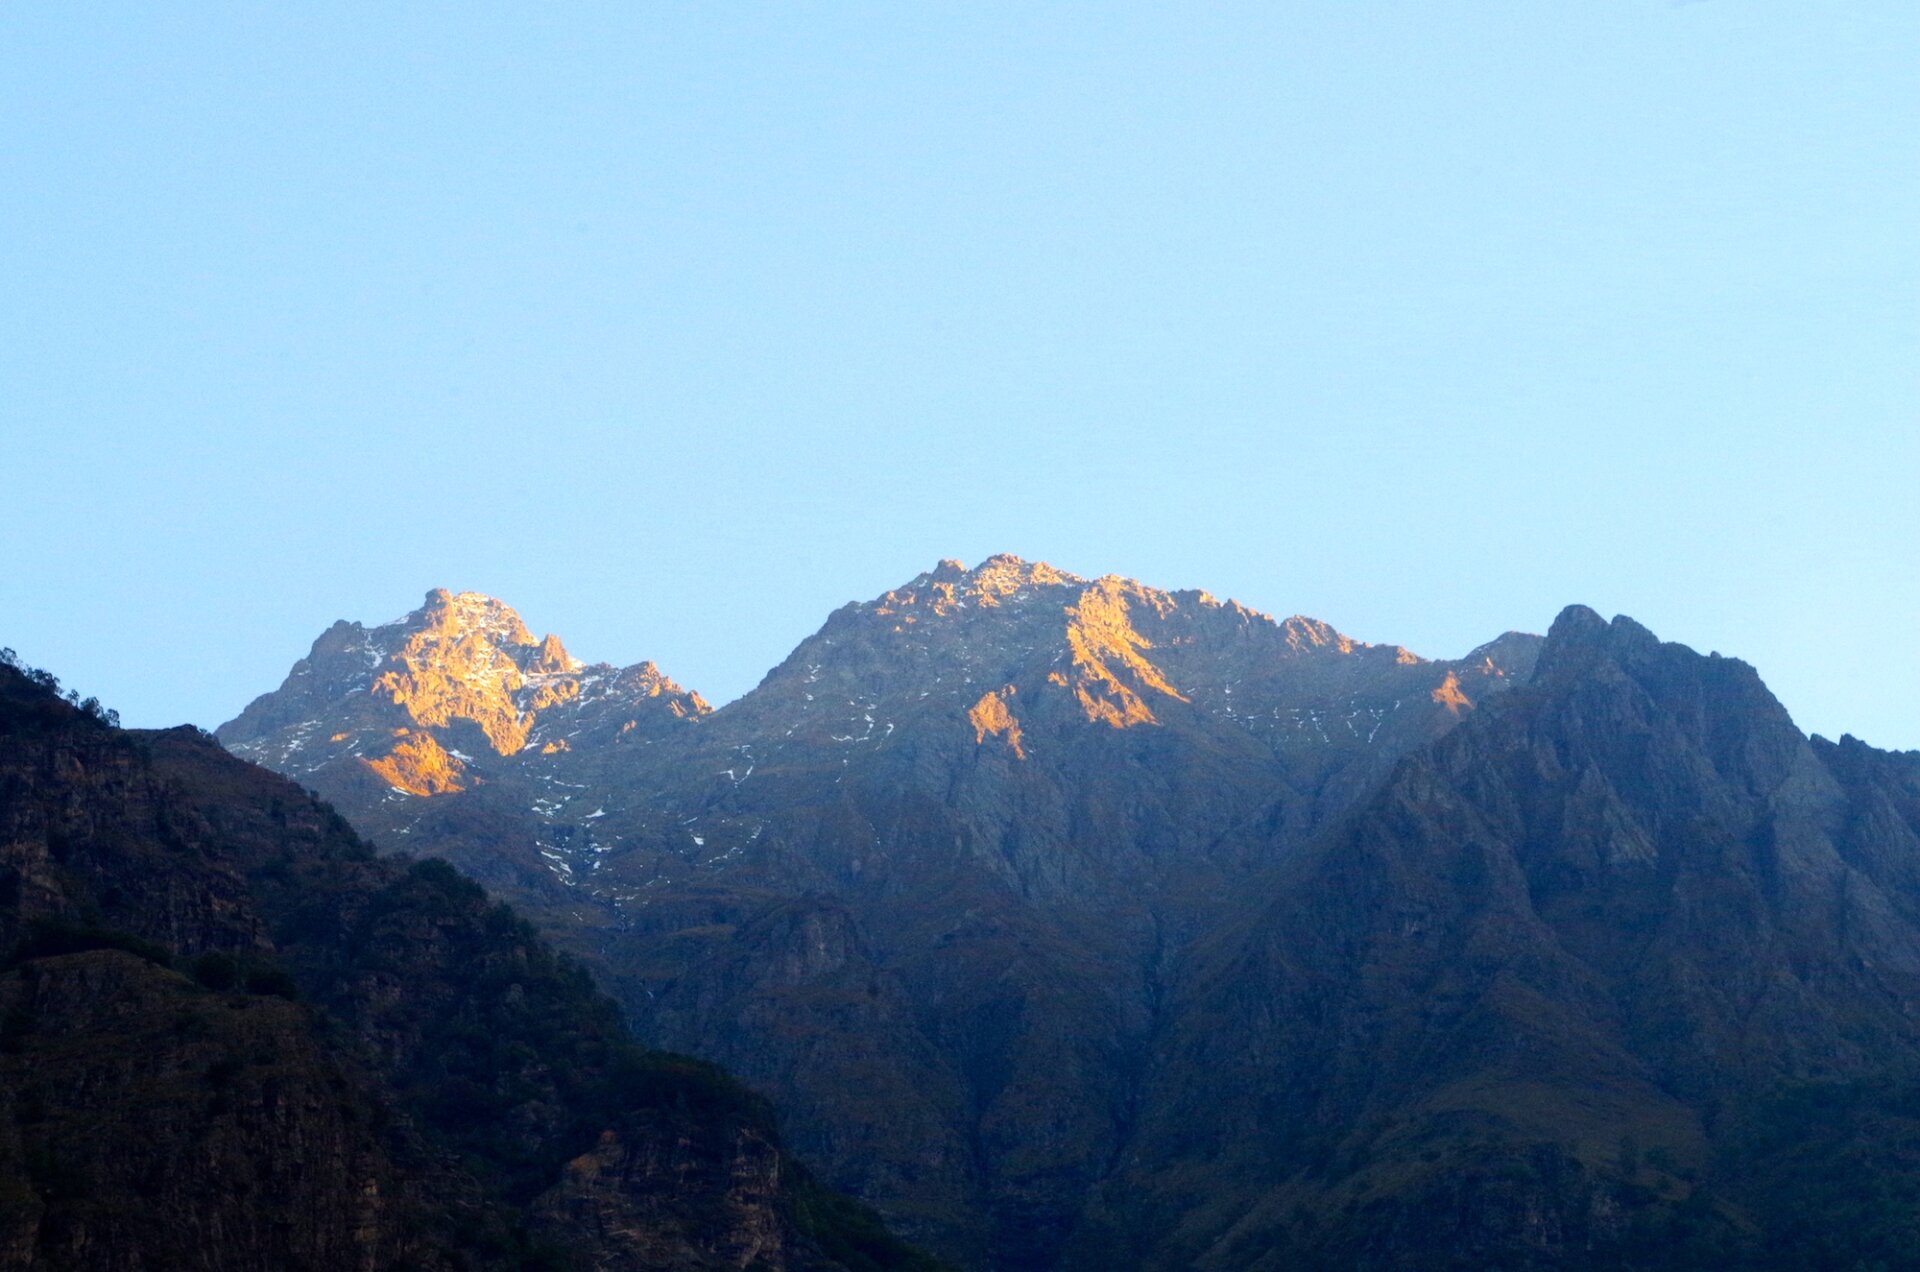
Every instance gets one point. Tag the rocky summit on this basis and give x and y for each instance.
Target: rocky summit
(462, 671)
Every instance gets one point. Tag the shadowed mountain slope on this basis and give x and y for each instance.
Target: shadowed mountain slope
(232, 1037)
(1622, 972)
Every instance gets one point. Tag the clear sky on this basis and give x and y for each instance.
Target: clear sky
(678, 326)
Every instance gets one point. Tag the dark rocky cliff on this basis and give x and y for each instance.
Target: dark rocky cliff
(1623, 972)
(231, 1037)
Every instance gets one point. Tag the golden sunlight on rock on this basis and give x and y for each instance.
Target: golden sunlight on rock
(1112, 703)
(953, 589)
(1306, 634)
(992, 717)
(1104, 646)
(553, 656)
(453, 668)
(1003, 576)
(552, 693)
(472, 659)
(419, 765)
(1450, 695)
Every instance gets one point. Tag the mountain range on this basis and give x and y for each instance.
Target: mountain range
(1073, 923)
(1068, 923)
(929, 885)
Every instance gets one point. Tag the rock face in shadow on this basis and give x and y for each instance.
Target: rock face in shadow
(929, 885)
(232, 1037)
(147, 1119)
(1622, 972)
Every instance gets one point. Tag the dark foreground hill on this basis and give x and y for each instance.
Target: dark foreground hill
(233, 1038)
(1081, 925)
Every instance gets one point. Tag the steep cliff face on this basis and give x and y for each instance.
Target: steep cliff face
(230, 1037)
(928, 883)
(1567, 992)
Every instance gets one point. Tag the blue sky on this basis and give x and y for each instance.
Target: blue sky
(678, 326)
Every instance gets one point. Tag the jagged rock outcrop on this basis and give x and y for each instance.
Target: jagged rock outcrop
(232, 1037)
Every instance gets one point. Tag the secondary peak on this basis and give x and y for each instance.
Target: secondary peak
(952, 585)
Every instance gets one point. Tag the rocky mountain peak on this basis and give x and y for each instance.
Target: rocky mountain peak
(466, 656)
(951, 586)
(1008, 583)
(1576, 623)
(1579, 635)
(415, 700)
(986, 651)
(469, 613)
(450, 626)
(1619, 680)
(1632, 895)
